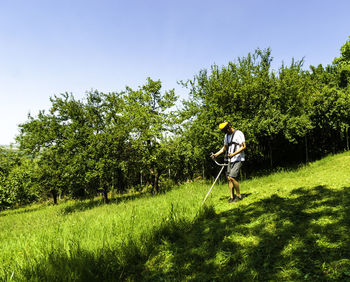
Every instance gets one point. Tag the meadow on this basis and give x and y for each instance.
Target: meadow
(291, 225)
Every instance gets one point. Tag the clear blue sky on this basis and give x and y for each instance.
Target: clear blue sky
(52, 46)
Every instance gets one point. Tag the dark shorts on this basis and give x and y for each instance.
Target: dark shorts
(233, 169)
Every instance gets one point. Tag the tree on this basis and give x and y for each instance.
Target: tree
(272, 109)
(45, 138)
(94, 145)
(18, 178)
(149, 121)
(342, 64)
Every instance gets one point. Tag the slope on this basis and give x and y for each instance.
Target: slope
(292, 225)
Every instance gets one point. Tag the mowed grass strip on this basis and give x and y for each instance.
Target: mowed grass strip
(292, 225)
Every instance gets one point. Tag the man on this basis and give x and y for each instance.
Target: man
(234, 145)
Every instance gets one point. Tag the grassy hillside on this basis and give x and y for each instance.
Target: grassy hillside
(291, 226)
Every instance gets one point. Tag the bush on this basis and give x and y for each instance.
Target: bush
(19, 187)
(6, 198)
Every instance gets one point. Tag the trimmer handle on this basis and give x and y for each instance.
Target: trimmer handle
(216, 161)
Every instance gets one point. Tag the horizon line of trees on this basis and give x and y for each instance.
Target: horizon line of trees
(134, 139)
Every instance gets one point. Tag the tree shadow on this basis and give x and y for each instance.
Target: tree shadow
(80, 206)
(20, 210)
(244, 195)
(302, 236)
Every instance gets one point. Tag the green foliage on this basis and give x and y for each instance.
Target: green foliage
(281, 114)
(22, 182)
(102, 143)
(242, 93)
(345, 54)
(6, 197)
(149, 121)
(18, 179)
(9, 158)
(342, 64)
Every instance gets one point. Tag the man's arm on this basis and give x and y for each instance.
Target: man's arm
(222, 150)
(243, 147)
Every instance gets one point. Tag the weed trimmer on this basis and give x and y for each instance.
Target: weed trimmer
(222, 168)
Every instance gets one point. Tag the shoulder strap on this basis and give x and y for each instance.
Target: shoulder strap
(232, 136)
(231, 141)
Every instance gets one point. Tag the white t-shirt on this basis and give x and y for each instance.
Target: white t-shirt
(238, 137)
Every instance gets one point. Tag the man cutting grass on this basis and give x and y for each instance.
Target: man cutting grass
(234, 145)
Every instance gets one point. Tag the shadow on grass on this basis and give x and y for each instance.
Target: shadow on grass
(20, 210)
(77, 206)
(86, 205)
(244, 195)
(302, 236)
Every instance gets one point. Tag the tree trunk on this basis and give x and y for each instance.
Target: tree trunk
(155, 174)
(156, 182)
(347, 138)
(270, 153)
(306, 151)
(54, 195)
(105, 196)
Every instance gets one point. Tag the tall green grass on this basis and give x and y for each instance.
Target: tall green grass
(292, 225)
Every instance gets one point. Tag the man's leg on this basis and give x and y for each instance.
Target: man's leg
(236, 185)
(230, 186)
(233, 184)
(232, 174)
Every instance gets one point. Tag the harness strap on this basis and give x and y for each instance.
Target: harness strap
(231, 141)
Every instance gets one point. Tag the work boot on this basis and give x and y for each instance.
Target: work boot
(231, 200)
(237, 199)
